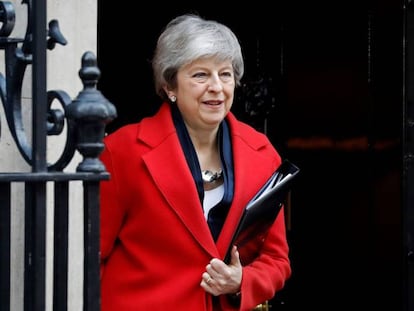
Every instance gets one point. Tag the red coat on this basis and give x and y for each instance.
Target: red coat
(155, 241)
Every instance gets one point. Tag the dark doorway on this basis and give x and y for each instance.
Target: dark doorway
(336, 77)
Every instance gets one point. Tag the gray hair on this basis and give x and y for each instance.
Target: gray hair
(187, 38)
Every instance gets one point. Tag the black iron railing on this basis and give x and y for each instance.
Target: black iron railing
(82, 123)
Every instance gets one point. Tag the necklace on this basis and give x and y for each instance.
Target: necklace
(210, 177)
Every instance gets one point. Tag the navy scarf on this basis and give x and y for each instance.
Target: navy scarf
(218, 213)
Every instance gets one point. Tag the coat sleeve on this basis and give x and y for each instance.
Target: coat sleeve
(267, 273)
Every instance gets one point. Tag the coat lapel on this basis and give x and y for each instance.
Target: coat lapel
(168, 167)
(251, 169)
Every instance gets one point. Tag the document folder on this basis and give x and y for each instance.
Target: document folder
(262, 210)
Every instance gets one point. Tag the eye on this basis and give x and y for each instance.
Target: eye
(200, 75)
(226, 75)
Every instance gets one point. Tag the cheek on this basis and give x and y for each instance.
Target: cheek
(196, 90)
(229, 91)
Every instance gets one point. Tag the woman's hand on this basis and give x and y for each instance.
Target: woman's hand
(220, 278)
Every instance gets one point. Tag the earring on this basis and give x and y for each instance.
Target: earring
(173, 98)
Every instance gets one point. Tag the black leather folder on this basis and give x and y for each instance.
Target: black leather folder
(262, 210)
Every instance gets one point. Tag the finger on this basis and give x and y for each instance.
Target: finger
(212, 271)
(207, 278)
(235, 256)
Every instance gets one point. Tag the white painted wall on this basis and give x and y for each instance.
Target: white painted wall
(78, 23)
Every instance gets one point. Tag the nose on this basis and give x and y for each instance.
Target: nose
(215, 83)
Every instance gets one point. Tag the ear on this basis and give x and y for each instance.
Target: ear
(168, 92)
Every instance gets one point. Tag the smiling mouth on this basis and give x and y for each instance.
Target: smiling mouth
(213, 103)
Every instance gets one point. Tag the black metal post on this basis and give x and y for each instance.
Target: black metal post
(5, 228)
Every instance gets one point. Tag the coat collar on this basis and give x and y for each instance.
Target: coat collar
(167, 165)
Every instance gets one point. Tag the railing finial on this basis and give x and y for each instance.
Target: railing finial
(91, 111)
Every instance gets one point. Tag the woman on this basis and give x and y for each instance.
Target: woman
(179, 182)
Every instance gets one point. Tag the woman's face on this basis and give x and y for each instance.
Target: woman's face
(205, 92)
